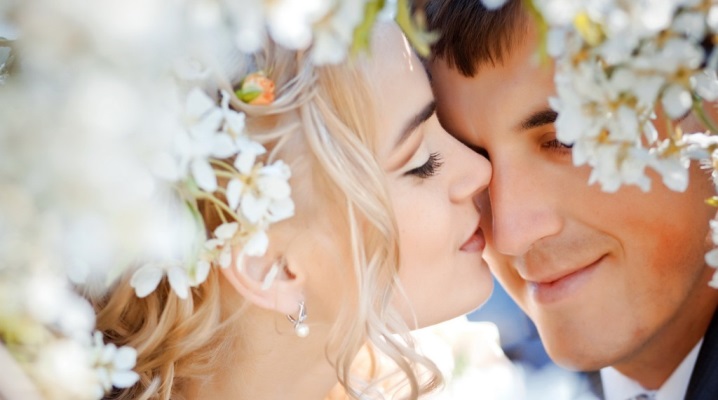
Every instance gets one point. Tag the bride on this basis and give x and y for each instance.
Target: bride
(384, 239)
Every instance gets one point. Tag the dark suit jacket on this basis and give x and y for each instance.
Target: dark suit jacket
(704, 380)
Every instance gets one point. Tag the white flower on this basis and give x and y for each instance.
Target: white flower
(203, 115)
(269, 200)
(673, 168)
(712, 18)
(290, 21)
(220, 244)
(325, 25)
(248, 152)
(712, 258)
(257, 244)
(146, 279)
(49, 300)
(676, 101)
(696, 145)
(233, 120)
(113, 365)
(714, 281)
(493, 4)
(65, 368)
(691, 24)
(181, 276)
(705, 83)
(211, 132)
(334, 33)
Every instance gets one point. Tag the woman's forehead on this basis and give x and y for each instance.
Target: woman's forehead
(391, 52)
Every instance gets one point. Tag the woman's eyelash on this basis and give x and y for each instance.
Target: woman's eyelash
(430, 167)
(555, 144)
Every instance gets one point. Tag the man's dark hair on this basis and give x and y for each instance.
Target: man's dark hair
(471, 35)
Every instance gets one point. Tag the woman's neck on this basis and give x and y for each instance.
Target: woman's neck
(270, 363)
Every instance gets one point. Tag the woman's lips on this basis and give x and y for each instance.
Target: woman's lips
(563, 287)
(475, 242)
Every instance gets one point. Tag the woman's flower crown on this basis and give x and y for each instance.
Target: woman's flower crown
(214, 156)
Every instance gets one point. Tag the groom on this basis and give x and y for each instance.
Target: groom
(615, 282)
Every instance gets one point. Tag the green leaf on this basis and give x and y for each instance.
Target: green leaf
(362, 33)
(543, 29)
(248, 95)
(414, 27)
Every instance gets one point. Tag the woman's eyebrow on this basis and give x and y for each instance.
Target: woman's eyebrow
(415, 121)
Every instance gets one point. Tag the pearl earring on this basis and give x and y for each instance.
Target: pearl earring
(300, 328)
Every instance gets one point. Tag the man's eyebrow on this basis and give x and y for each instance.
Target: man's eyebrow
(539, 118)
(417, 120)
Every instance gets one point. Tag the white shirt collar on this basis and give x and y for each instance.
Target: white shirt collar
(617, 386)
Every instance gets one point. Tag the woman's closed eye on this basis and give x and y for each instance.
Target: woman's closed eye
(429, 168)
(557, 145)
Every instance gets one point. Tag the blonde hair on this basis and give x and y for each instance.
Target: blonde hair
(178, 340)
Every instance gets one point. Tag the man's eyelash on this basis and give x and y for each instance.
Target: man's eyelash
(430, 167)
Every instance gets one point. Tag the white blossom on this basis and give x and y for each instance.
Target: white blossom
(334, 33)
(180, 275)
(676, 101)
(113, 365)
(706, 84)
(219, 247)
(493, 4)
(64, 369)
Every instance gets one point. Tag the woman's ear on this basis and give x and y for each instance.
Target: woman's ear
(270, 283)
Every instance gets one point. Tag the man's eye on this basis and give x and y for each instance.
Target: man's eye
(430, 167)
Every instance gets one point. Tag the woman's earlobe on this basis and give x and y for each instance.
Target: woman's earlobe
(269, 284)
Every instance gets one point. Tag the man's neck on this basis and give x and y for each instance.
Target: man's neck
(654, 362)
(616, 386)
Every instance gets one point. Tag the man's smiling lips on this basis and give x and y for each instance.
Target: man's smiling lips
(556, 288)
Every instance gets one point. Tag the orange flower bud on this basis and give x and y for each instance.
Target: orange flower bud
(256, 89)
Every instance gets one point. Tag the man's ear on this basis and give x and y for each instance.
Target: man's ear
(270, 283)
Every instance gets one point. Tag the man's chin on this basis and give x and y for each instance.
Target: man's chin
(578, 358)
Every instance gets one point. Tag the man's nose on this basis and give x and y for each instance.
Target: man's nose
(524, 207)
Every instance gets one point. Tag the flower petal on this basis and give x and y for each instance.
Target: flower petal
(281, 209)
(204, 175)
(234, 193)
(225, 257)
(253, 208)
(676, 101)
(200, 273)
(212, 244)
(226, 230)
(706, 84)
(125, 358)
(146, 279)
(712, 258)
(198, 103)
(223, 146)
(245, 162)
(274, 187)
(108, 353)
(493, 4)
(124, 379)
(178, 281)
(257, 245)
